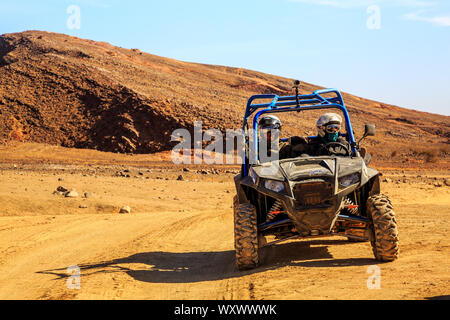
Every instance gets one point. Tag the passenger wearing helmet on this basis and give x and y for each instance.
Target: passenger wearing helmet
(267, 126)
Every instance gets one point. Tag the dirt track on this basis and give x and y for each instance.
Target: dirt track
(177, 243)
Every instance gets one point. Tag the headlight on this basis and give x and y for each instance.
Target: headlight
(275, 186)
(349, 180)
(252, 175)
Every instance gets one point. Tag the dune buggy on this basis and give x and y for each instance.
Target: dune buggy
(309, 196)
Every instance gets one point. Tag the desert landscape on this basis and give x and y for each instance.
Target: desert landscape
(87, 181)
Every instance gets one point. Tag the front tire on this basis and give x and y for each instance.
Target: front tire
(245, 235)
(385, 233)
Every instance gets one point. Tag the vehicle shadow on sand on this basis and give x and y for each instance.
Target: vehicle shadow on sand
(188, 267)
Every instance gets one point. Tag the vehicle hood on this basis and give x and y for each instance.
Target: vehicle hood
(310, 168)
(314, 167)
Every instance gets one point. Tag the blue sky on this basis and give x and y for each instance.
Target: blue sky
(394, 51)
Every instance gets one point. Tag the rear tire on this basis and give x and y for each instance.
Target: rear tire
(385, 233)
(245, 235)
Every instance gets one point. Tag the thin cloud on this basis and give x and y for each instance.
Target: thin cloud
(414, 3)
(339, 3)
(443, 21)
(422, 5)
(346, 4)
(91, 3)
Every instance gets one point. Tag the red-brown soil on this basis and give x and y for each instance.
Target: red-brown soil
(67, 91)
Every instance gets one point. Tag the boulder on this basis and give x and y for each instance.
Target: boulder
(125, 209)
(71, 194)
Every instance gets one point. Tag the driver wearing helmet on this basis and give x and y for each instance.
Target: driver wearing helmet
(329, 129)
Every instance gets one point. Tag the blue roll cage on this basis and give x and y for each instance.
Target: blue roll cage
(298, 103)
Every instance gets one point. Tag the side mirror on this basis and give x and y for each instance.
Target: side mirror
(369, 130)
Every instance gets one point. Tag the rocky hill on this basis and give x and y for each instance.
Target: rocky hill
(67, 91)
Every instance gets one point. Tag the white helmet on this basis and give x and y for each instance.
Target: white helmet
(328, 119)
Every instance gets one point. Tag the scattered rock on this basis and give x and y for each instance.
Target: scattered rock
(82, 206)
(71, 194)
(61, 189)
(125, 209)
(437, 184)
(447, 182)
(60, 179)
(387, 180)
(186, 170)
(180, 177)
(88, 195)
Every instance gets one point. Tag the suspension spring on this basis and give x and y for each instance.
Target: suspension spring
(351, 207)
(275, 210)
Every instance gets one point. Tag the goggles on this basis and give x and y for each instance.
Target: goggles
(332, 128)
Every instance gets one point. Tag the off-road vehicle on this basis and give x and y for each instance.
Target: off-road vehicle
(310, 196)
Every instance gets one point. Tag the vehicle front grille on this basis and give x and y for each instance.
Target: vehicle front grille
(312, 193)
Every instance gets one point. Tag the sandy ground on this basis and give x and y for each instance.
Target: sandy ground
(177, 242)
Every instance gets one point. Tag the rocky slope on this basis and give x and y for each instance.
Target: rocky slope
(67, 91)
